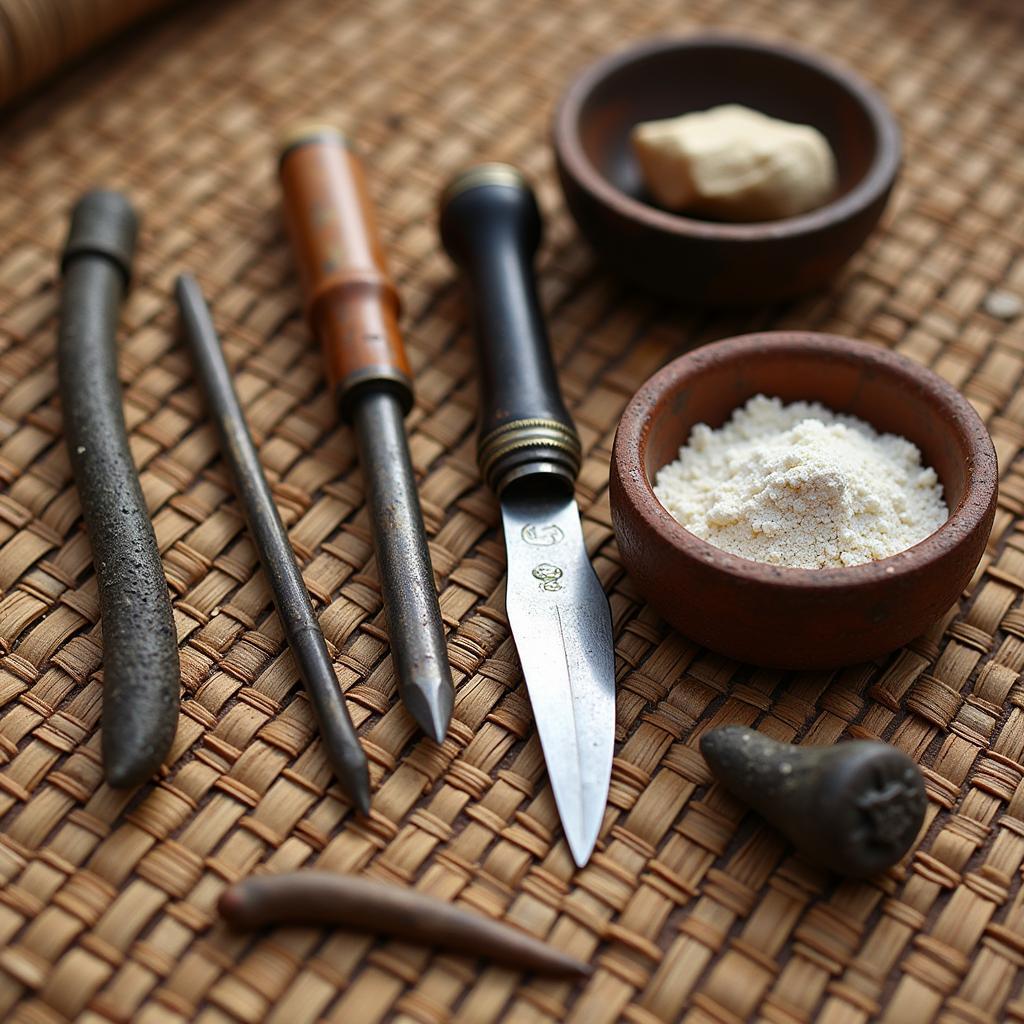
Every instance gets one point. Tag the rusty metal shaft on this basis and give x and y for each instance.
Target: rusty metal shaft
(406, 578)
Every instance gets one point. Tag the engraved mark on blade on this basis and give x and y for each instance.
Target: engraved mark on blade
(543, 535)
(549, 575)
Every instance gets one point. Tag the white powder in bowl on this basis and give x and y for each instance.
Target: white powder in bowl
(802, 486)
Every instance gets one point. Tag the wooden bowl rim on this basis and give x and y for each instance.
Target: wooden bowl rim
(871, 187)
(956, 413)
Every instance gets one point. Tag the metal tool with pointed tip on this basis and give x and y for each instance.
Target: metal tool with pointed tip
(291, 599)
(529, 454)
(352, 307)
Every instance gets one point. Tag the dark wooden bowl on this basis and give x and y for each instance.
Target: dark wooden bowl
(800, 618)
(703, 261)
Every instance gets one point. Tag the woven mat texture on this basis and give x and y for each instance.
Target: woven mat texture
(690, 909)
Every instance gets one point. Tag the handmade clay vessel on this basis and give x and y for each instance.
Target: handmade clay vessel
(800, 618)
(700, 261)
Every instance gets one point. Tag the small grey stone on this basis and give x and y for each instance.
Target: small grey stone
(1004, 305)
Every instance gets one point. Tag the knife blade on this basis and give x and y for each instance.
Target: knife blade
(529, 454)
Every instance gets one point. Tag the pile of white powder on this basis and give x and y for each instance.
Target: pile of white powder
(799, 485)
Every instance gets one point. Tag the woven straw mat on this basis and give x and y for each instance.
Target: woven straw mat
(690, 909)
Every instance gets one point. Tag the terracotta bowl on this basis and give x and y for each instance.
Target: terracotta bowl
(800, 618)
(704, 261)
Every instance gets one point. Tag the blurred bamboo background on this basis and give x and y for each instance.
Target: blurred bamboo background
(39, 36)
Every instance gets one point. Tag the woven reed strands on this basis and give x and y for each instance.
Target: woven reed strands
(690, 909)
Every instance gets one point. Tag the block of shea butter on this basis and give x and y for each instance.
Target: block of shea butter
(735, 163)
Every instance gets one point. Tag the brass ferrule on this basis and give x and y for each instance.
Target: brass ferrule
(309, 131)
(527, 446)
(482, 174)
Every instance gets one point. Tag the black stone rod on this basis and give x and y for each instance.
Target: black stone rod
(301, 627)
(141, 677)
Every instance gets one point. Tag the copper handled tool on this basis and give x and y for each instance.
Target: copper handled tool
(301, 626)
(352, 307)
(320, 897)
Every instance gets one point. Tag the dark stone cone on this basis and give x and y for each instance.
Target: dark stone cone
(855, 807)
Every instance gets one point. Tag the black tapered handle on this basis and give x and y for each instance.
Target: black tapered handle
(491, 227)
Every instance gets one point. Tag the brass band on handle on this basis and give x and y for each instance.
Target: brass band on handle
(309, 131)
(482, 174)
(515, 448)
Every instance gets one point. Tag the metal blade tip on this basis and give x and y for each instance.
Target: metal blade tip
(430, 705)
(581, 846)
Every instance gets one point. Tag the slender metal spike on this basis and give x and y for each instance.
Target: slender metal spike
(301, 626)
(418, 645)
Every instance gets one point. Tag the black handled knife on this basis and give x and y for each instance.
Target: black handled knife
(529, 454)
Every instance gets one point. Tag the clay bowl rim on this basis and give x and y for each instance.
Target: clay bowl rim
(876, 182)
(976, 501)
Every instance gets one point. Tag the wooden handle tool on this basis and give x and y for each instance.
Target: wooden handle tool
(491, 227)
(351, 302)
(529, 453)
(352, 308)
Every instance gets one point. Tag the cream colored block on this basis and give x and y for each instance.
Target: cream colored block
(735, 163)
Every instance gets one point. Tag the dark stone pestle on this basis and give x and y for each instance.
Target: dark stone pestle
(853, 807)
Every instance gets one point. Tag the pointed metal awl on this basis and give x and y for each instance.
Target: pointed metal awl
(301, 625)
(352, 306)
